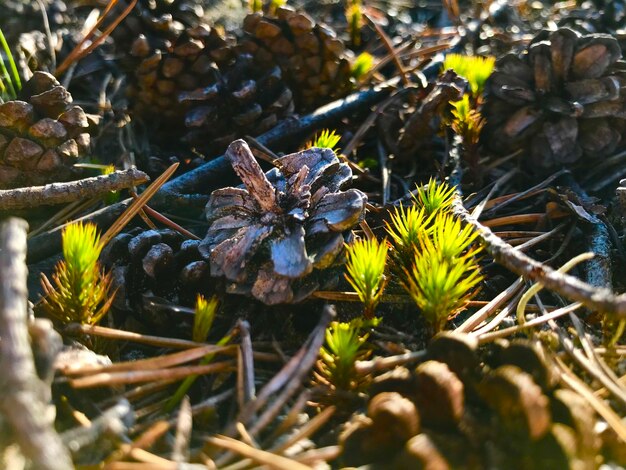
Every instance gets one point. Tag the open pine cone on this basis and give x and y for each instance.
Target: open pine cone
(560, 99)
(269, 237)
(41, 134)
(200, 92)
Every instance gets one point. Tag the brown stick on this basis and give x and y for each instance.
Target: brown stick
(21, 401)
(59, 193)
(596, 298)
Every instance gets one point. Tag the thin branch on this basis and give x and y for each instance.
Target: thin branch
(21, 401)
(596, 298)
(59, 193)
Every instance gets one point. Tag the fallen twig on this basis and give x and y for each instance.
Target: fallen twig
(59, 193)
(596, 298)
(21, 402)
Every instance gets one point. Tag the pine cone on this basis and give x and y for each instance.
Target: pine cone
(268, 238)
(154, 263)
(153, 25)
(560, 99)
(41, 134)
(244, 100)
(162, 74)
(459, 403)
(312, 58)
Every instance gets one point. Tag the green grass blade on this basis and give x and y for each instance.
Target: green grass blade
(181, 391)
(15, 81)
(5, 81)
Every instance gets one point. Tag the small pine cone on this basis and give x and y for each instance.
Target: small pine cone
(245, 100)
(156, 263)
(312, 58)
(41, 134)
(560, 99)
(152, 25)
(268, 238)
(162, 74)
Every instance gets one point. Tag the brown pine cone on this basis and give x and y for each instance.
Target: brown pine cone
(560, 99)
(161, 75)
(312, 58)
(41, 134)
(274, 237)
(472, 414)
(245, 100)
(409, 127)
(153, 25)
(154, 263)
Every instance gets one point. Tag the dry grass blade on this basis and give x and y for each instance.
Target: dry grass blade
(121, 335)
(184, 426)
(499, 318)
(168, 222)
(142, 466)
(320, 456)
(116, 378)
(387, 42)
(69, 212)
(262, 457)
(307, 430)
(538, 239)
(138, 204)
(572, 381)
(488, 337)
(78, 52)
(145, 440)
(522, 219)
(158, 362)
(482, 314)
